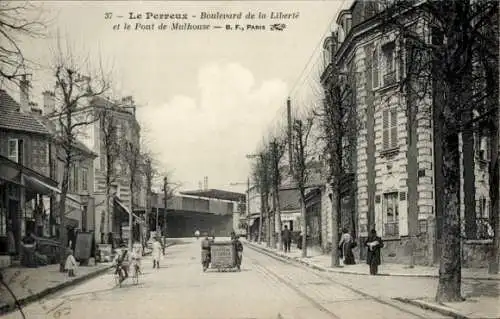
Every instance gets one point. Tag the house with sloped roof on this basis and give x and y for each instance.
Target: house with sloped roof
(25, 151)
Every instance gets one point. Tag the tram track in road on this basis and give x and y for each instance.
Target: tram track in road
(283, 281)
(287, 282)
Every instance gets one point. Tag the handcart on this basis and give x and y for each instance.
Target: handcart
(223, 256)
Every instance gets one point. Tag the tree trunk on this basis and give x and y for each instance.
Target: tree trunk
(148, 210)
(468, 176)
(273, 222)
(261, 216)
(450, 268)
(335, 262)
(108, 228)
(494, 176)
(412, 179)
(63, 236)
(304, 224)
(130, 219)
(278, 219)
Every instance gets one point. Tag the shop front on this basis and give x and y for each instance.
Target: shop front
(25, 207)
(21, 211)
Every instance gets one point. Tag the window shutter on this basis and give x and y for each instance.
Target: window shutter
(394, 127)
(385, 141)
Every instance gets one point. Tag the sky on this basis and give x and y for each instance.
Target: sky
(206, 97)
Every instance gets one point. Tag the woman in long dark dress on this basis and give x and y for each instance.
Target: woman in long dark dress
(346, 245)
(374, 244)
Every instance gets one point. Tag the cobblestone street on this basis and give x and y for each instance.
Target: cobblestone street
(265, 288)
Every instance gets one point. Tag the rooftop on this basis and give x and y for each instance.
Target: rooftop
(216, 194)
(13, 119)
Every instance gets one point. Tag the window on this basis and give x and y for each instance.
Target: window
(85, 179)
(482, 150)
(390, 212)
(389, 63)
(390, 128)
(75, 178)
(3, 221)
(375, 68)
(16, 150)
(483, 207)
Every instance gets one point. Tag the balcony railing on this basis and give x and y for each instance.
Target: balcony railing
(391, 229)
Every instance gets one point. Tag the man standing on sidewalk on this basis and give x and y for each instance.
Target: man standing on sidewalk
(287, 239)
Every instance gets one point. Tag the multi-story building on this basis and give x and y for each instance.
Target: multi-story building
(390, 175)
(126, 130)
(25, 148)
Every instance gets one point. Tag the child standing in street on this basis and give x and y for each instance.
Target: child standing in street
(71, 264)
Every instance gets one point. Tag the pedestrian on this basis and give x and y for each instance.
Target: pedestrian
(70, 264)
(287, 239)
(346, 245)
(374, 244)
(238, 247)
(11, 241)
(197, 234)
(157, 253)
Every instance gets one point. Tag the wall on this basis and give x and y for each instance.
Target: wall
(36, 150)
(183, 224)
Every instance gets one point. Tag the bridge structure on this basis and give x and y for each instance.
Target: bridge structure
(211, 210)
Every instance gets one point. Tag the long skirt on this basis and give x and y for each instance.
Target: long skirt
(348, 254)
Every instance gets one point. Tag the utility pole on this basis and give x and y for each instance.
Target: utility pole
(165, 186)
(248, 208)
(289, 129)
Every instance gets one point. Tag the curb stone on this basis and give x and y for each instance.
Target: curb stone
(7, 308)
(338, 271)
(433, 307)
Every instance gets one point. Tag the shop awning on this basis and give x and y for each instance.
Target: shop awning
(44, 188)
(125, 208)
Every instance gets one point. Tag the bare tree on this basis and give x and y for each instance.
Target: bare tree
(75, 91)
(276, 151)
(131, 155)
(337, 115)
(111, 155)
(301, 153)
(150, 173)
(260, 174)
(17, 20)
(457, 45)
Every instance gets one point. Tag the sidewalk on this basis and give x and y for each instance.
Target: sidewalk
(322, 262)
(30, 284)
(480, 288)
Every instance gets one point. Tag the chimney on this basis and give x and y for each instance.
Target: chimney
(34, 108)
(49, 103)
(25, 95)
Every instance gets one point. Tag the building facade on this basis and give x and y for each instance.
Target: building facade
(126, 133)
(25, 148)
(394, 156)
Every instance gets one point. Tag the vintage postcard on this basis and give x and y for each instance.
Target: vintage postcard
(305, 159)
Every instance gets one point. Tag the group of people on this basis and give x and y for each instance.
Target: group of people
(206, 245)
(373, 243)
(125, 261)
(346, 245)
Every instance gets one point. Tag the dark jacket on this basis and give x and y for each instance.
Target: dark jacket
(287, 234)
(373, 256)
(237, 245)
